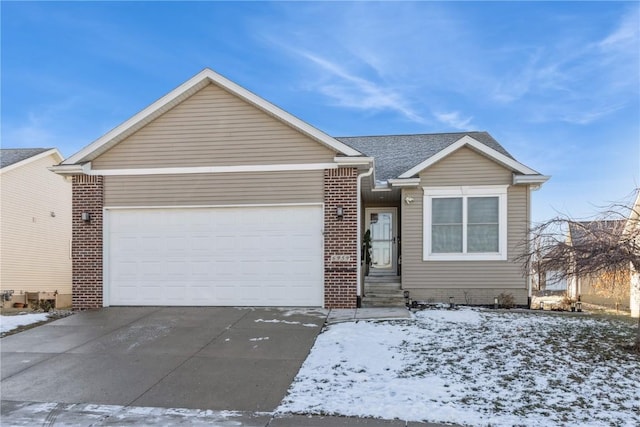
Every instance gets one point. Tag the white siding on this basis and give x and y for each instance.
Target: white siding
(34, 245)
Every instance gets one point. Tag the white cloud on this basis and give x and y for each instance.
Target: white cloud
(587, 116)
(350, 90)
(453, 119)
(626, 34)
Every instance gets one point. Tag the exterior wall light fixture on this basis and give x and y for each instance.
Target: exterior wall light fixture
(86, 216)
(339, 212)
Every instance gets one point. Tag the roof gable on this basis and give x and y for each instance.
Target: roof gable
(12, 158)
(467, 141)
(405, 156)
(213, 128)
(585, 232)
(184, 91)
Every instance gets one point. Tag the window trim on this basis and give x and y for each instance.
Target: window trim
(499, 191)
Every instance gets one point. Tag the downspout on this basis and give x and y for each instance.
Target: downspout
(359, 224)
(529, 243)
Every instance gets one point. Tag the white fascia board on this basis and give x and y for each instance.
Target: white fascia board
(530, 179)
(52, 152)
(405, 182)
(195, 83)
(353, 161)
(73, 169)
(138, 120)
(212, 169)
(245, 205)
(478, 146)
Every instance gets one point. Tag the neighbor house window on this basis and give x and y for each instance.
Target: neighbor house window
(465, 223)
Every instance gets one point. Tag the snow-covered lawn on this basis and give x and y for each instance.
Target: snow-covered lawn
(474, 367)
(8, 323)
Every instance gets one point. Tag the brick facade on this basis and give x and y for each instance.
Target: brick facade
(340, 238)
(86, 246)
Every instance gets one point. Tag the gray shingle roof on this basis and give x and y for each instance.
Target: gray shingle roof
(588, 231)
(396, 154)
(9, 156)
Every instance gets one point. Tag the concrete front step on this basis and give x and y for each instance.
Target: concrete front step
(369, 302)
(382, 279)
(383, 291)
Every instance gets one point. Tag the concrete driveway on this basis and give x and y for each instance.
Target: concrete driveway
(218, 358)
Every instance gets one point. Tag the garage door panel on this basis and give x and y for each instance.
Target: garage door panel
(215, 256)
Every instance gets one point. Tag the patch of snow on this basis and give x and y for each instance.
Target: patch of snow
(286, 322)
(464, 315)
(315, 312)
(473, 367)
(30, 414)
(8, 323)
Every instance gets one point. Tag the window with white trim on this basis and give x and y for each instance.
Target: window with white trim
(465, 223)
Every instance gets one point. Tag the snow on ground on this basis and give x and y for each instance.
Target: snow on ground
(474, 367)
(286, 322)
(8, 323)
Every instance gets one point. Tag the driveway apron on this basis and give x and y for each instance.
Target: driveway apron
(219, 358)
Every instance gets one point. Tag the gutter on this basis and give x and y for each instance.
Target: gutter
(529, 243)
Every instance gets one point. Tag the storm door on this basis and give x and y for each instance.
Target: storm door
(382, 224)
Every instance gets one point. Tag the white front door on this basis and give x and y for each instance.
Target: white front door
(382, 224)
(238, 256)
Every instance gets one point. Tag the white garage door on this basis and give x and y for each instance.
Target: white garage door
(253, 256)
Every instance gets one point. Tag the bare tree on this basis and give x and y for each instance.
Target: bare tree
(605, 246)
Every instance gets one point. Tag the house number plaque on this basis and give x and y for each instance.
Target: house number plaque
(340, 258)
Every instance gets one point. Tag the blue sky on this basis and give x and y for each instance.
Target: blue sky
(558, 84)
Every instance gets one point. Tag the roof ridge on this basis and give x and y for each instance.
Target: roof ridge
(27, 148)
(415, 134)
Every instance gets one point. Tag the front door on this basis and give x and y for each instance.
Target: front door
(382, 223)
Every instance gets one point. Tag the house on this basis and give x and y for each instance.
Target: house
(608, 289)
(214, 196)
(613, 289)
(632, 228)
(35, 227)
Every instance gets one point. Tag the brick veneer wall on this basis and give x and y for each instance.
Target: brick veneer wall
(340, 238)
(86, 246)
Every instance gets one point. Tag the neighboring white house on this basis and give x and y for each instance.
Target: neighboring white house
(593, 288)
(35, 225)
(632, 224)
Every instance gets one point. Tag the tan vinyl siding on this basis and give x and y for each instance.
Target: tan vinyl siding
(34, 244)
(214, 189)
(464, 167)
(213, 128)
